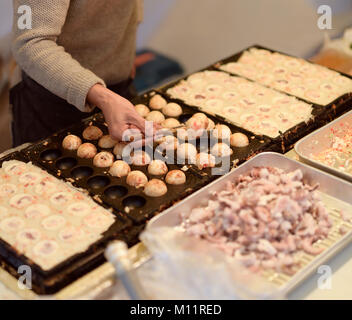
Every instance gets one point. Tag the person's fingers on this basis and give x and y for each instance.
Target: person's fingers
(138, 121)
(142, 142)
(157, 126)
(132, 134)
(117, 132)
(114, 134)
(137, 144)
(132, 126)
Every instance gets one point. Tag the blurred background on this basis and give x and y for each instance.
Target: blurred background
(184, 36)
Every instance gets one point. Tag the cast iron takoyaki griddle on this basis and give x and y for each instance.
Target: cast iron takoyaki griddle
(140, 207)
(322, 114)
(102, 187)
(256, 145)
(285, 142)
(333, 107)
(49, 282)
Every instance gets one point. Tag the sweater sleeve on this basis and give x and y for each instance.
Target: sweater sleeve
(38, 54)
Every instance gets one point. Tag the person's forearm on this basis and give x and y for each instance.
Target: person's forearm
(119, 113)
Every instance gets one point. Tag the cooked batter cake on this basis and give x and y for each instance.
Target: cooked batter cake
(44, 218)
(298, 77)
(247, 104)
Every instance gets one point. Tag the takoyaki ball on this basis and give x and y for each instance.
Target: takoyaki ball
(170, 123)
(140, 158)
(92, 133)
(132, 134)
(199, 121)
(155, 116)
(200, 115)
(183, 134)
(87, 151)
(168, 143)
(142, 110)
(161, 134)
(175, 177)
(136, 179)
(205, 160)
(221, 132)
(239, 140)
(172, 110)
(211, 125)
(221, 150)
(155, 188)
(157, 102)
(157, 168)
(187, 151)
(106, 142)
(71, 142)
(120, 169)
(103, 159)
(119, 150)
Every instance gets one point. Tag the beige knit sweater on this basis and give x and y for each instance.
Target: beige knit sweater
(75, 44)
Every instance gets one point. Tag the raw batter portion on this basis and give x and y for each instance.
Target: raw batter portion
(44, 218)
(262, 219)
(247, 104)
(339, 155)
(298, 77)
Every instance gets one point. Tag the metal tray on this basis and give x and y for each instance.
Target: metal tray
(320, 140)
(50, 281)
(335, 193)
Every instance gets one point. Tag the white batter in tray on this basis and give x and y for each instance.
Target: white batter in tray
(247, 104)
(295, 76)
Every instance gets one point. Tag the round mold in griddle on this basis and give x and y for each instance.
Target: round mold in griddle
(82, 172)
(115, 192)
(183, 118)
(66, 163)
(98, 182)
(134, 202)
(51, 154)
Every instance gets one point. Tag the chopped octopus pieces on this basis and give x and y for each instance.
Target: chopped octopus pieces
(262, 219)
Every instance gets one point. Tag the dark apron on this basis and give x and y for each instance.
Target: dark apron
(37, 113)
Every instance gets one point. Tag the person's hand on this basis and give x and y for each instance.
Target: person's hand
(119, 113)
